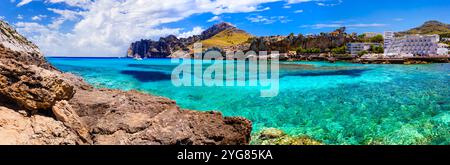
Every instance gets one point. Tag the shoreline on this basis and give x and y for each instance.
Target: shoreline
(405, 61)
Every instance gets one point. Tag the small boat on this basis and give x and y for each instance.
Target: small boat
(137, 58)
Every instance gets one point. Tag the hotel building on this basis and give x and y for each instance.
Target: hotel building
(442, 49)
(411, 45)
(355, 48)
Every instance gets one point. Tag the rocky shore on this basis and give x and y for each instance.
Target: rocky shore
(41, 105)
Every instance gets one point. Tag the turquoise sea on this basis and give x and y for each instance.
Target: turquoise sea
(339, 103)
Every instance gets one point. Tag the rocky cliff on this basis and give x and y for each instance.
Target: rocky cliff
(324, 41)
(41, 105)
(170, 44)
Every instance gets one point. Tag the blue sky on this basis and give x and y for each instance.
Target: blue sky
(105, 28)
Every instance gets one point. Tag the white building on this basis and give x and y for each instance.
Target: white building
(442, 49)
(355, 48)
(389, 37)
(412, 45)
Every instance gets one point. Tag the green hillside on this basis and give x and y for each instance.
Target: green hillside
(227, 38)
(430, 27)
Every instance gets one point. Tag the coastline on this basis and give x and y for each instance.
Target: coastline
(355, 81)
(41, 105)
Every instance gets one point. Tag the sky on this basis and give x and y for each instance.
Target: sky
(104, 28)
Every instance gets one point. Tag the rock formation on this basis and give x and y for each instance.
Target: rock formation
(41, 105)
(170, 44)
(324, 41)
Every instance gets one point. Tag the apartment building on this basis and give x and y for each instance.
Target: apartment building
(356, 48)
(411, 45)
(442, 49)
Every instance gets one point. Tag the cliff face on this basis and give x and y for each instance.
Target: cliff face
(17, 47)
(41, 105)
(284, 44)
(170, 44)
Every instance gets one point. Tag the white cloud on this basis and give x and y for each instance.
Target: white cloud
(330, 4)
(268, 20)
(38, 17)
(106, 28)
(215, 18)
(23, 2)
(20, 16)
(77, 3)
(2, 17)
(318, 2)
(195, 31)
(65, 15)
(298, 11)
(298, 1)
(287, 6)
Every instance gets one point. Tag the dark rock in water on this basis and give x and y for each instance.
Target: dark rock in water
(170, 44)
(147, 76)
(41, 105)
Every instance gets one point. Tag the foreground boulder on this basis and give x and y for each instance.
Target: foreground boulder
(17, 128)
(32, 87)
(41, 105)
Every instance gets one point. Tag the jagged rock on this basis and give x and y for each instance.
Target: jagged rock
(32, 87)
(15, 128)
(66, 110)
(171, 44)
(14, 46)
(273, 136)
(284, 44)
(117, 117)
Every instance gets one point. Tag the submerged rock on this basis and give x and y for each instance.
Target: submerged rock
(41, 105)
(273, 136)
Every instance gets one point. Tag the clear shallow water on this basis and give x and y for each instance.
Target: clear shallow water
(336, 103)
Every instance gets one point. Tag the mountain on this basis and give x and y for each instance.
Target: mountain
(223, 35)
(40, 105)
(429, 27)
(227, 38)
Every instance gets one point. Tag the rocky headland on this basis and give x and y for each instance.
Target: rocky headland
(166, 46)
(42, 105)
